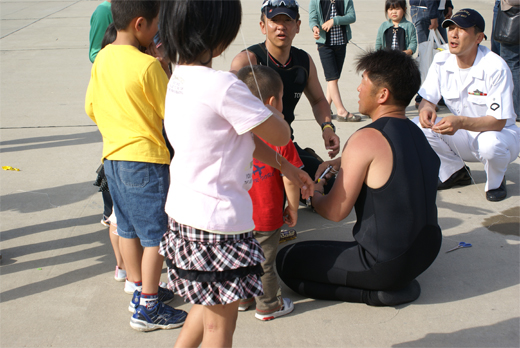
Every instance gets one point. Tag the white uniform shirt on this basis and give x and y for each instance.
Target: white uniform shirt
(487, 90)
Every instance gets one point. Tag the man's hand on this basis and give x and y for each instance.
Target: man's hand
(331, 142)
(290, 217)
(327, 25)
(336, 164)
(434, 24)
(449, 125)
(427, 114)
(316, 33)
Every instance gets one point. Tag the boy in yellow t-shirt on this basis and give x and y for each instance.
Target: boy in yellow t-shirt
(125, 98)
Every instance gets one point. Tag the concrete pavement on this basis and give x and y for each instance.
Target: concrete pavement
(56, 273)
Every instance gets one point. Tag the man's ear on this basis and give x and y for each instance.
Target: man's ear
(262, 27)
(383, 95)
(298, 23)
(480, 37)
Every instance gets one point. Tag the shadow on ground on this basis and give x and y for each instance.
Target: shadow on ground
(51, 141)
(495, 335)
(48, 198)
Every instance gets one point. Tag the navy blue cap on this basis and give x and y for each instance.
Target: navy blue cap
(466, 18)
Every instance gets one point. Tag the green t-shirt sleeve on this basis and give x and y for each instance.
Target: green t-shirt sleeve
(100, 20)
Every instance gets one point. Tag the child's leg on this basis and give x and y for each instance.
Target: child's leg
(219, 325)
(193, 328)
(271, 300)
(114, 240)
(210, 325)
(151, 268)
(133, 251)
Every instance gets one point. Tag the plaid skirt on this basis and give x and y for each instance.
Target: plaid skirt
(208, 268)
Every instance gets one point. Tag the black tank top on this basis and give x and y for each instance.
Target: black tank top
(390, 218)
(294, 76)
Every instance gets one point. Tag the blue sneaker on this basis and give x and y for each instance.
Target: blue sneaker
(159, 317)
(164, 296)
(136, 298)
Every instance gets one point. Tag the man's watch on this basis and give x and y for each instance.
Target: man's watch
(327, 125)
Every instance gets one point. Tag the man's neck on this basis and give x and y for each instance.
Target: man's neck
(467, 61)
(281, 54)
(393, 111)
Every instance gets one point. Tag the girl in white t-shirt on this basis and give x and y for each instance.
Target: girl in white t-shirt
(210, 118)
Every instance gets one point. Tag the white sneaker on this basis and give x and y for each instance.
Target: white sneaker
(288, 307)
(130, 287)
(243, 308)
(120, 274)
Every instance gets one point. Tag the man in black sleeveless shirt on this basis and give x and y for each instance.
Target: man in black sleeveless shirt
(388, 172)
(280, 23)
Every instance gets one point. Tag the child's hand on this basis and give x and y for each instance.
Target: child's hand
(299, 178)
(158, 52)
(290, 217)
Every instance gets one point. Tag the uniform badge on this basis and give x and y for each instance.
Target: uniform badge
(494, 106)
(477, 92)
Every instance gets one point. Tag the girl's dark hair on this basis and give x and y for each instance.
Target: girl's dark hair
(110, 35)
(124, 11)
(396, 4)
(191, 28)
(394, 70)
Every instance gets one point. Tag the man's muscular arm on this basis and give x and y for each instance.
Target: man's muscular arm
(321, 109)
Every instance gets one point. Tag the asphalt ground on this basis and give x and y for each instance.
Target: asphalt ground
(56, 274)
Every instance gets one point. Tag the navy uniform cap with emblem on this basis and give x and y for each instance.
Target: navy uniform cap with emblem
(466, 18)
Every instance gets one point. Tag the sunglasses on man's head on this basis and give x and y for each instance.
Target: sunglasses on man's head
(281, 3)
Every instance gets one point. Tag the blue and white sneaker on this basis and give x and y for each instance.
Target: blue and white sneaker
(164, 296)
(136, 298)
(160, 316)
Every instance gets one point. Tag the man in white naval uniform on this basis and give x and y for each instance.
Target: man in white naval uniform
(477, 87)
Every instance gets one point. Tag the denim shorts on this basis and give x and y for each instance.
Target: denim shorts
(139, 191)
(332, 59)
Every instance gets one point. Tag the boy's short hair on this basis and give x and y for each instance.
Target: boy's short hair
(394, 70)
(124, 11)
(262, 81)
(191, 28)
